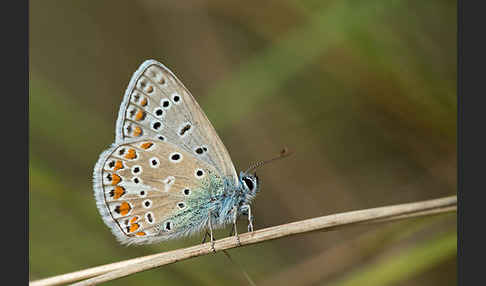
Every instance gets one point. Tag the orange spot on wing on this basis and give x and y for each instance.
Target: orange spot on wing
(134, 219)
(123, 208)
(140, 115)
(133, 227)
(144, 102)
(131, 154)
(140, 233)
(118, 165)
(116, 179)
(137, 132)
(147, 145)
(118, 192)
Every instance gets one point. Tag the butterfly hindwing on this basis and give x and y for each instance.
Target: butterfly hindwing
(158, 106)
(148, 190)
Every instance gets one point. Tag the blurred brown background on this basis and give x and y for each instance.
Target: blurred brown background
(364, 93)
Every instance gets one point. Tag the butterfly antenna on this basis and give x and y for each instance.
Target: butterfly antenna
(284, 153)
(250, 281)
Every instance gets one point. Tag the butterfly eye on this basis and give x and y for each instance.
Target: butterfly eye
(249, 183)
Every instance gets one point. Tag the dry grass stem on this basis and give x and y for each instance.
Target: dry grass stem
(113, 271)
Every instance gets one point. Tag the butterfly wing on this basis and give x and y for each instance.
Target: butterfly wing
(157, 105)
(149, 191)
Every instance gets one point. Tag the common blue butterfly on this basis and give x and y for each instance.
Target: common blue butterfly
(168, 174)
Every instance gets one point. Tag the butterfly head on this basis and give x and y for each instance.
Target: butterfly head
(249, 183)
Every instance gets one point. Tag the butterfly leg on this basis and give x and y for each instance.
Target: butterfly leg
(204, 237)
(235, 213)
(250, 218)
(211, 233)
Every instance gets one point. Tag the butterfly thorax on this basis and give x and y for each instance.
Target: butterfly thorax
(226, 196)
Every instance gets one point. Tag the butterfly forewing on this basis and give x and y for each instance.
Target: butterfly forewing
(158, 106)
(149, 190)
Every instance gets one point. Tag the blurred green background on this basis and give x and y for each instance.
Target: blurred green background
(364, 93)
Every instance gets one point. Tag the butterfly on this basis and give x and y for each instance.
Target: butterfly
(168, 174)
